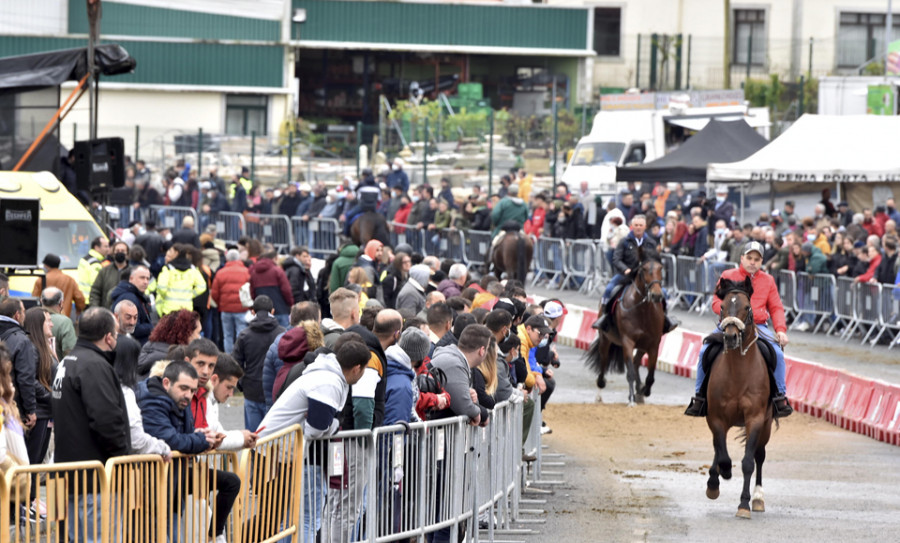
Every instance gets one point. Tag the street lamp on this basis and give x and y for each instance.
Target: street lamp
(299, 15)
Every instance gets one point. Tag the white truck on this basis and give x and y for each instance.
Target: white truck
(633, 131)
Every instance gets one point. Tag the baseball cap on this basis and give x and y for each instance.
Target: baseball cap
(753, 246)
(539, 323)
(553, 310)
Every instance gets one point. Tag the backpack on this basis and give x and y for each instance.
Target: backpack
(432, 381)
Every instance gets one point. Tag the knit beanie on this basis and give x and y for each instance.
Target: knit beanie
(415, 343)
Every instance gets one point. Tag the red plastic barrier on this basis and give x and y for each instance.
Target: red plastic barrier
(586, 334)
(799, 377)
(890, 431)
(821, 390)
(690, 354)
(874, 420)
(851, 400)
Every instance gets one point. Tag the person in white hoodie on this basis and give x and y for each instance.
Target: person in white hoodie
(221, 387)
(125, 367)
(313, 400)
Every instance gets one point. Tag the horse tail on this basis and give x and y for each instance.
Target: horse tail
(520, 258)
(617, 356)
(594, 358)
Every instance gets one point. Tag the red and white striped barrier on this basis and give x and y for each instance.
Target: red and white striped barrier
(865, 406)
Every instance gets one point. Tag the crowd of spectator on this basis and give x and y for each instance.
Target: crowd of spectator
(137, 352)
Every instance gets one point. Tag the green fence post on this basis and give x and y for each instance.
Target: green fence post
(491, 156)
(654, 43)
(688, 75)
(555, 132)
(802, 92)
(358, 144)
(199, 152)
(678, 62)
(137, 142)
(290, 153)
(809, 69)
(253, 156)
(637, 70)
(425, 154)
(749, 57)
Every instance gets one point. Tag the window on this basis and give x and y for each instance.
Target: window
(861, 37)
(749, 31)
(607, 31)
(245, 114)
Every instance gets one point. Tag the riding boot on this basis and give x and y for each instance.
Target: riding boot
(670, 324)
(782, 406)
(697, 407)
(600, 323)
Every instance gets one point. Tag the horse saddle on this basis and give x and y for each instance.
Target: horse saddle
(715, 344)
(614, 297)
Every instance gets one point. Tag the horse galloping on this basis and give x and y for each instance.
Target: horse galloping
(513, 255)
(738, 394)
(639, 317)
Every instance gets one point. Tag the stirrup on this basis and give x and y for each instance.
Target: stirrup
(670, 324)
(697, 408)
(782, 406)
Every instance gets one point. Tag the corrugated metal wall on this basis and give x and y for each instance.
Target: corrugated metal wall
(442, 24)
(178, 63)
(134, 20)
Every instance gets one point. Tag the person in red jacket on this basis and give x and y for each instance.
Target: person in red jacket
(402, 214)
(765, 302)
(874, 261)
(226, 293)
(268, 278)
(535, 224)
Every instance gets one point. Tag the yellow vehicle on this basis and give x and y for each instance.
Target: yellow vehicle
(66, 226)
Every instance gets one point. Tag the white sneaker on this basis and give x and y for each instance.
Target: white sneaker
(804, 326)
(546, 430)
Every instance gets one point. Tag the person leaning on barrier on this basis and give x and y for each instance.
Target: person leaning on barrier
(125, 367)
(222, 383)
(626, 260)
(765, 302)
(457, 362)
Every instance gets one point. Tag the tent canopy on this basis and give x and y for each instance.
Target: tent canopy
(719, 141)
(823, 149)
(54, 68)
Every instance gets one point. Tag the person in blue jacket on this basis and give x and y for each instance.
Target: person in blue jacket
(165, 406)
(400, 394)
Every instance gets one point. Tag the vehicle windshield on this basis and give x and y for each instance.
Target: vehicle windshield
(70, 240)
(597, 152)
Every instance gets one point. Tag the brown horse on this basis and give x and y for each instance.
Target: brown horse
(738, 395)
(639, 317)
(368, 226)
(513, 255)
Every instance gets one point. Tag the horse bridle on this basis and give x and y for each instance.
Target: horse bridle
(647, 287)
(740, 324)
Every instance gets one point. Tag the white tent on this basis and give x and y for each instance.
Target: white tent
(859, 150)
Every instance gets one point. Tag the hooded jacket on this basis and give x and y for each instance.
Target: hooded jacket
(24, 364)
(312, 400)
(164, 420)
(366, 410)
(458, 375)
(509, 209)
(411, 296)
(250, 352)
(177, 285)
(449, 289)
(341, 267)
(226, 287)
(127, 291)
(290, 349)
(303, 284)
(89, 412)
(269, 279)
(399, 395)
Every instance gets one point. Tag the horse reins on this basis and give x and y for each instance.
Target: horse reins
(646, 292)
(741, 325)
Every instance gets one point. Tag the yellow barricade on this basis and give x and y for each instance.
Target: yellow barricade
(76, 495)
(272, 477)
(193, 484)
(137, 498)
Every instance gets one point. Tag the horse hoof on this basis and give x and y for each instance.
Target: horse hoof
(639, 399)
(743, 513)
(631, 403)
(601, 383)
(646, 391)
(712, 493)
(725, 474)
(759, 506)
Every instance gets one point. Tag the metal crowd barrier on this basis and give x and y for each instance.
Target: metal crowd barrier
(137, 497)
(668, 261)
(274, 229)
(866, 310)
(889, 318)
(76, 495)
(452, 245)
(229, 225)
(478, 247)
(579, 264)
(549, 260)
(404, 233)
(172, 216)
(844, 304)
(191, 487)
(712, 271)
(786, 280)
(322, 236)
(815, 297)
(689, 280)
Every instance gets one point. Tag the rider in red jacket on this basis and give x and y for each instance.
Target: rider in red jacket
(765, 303)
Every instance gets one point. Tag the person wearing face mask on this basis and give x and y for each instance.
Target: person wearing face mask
(397, 177)
(109, 276)
(722, 210)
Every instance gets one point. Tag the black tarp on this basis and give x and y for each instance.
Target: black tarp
(53, 68)
(719, 141)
